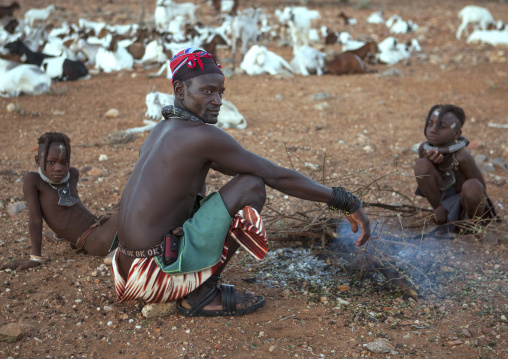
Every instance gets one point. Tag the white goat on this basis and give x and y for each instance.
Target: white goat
(229, 116)
(475, 15)
(162, 18)
(185, 9)
(308, 60)
(154, 53)
(16, 79)
(33, 15)
(109, 61)
(88, 50)
(376, 18)
(492, 37)
(259, 60)
(298, 19)
(245, 28)
(392, 52)
(396, 25)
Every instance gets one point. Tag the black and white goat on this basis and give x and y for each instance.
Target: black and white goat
(59, 68)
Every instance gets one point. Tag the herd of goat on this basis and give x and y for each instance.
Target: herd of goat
(67, 51)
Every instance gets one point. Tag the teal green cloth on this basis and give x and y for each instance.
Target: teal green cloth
(203, 240)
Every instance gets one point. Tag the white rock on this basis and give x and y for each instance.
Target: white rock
(112, 113)
(15, 208)
(103, 157)
(154, 310)
(11, 107)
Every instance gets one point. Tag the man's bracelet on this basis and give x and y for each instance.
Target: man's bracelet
(343, 200)
(37, 259)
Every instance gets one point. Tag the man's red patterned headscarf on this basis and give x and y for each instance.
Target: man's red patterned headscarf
(193, 62)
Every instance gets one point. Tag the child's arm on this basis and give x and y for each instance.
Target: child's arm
(468, 167)
(31, 193)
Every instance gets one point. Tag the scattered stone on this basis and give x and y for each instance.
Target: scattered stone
(489, 167)
(491, 239)
(487, 331)
(15, 208)
(285, 293)
(324, 299)
(392, 72)
(454, 343)
(343, 302)
(155, 310)
(479, 158)
(367, 148)
(466, 333)
(499, 163)
(271, 349)
(11, 333)
(380, 346)
(415, 147)
(322, 106)
(279, 97)
(343, 288)
(320, 96)
(103, 157)
(11, 107)
(95, 172)
(112, 113)
(108, 308)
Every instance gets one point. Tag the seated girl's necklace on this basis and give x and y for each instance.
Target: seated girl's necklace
(64, 194)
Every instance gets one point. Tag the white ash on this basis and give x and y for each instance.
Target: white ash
(284, 266)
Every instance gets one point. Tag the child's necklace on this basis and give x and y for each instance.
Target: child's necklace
(64, 194)
(459, 144)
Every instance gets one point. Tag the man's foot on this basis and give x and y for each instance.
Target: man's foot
(212, 300)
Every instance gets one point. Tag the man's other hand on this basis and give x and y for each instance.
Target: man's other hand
(359, 219)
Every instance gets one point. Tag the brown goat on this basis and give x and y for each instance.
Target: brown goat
(344, 17)
(8, 10)
(211, 47)
(345, 64)
(367, 52)
(331, 37)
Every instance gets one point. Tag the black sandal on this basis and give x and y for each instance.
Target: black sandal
(228, 301)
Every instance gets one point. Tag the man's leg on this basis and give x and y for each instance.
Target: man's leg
(241, 191)
(429, 180)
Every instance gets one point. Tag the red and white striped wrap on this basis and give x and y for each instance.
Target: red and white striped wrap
(147, 281)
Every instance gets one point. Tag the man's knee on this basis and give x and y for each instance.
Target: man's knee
(253, 185)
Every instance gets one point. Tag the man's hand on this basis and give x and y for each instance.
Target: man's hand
(20, 265)
(434, 156)
(359, 218)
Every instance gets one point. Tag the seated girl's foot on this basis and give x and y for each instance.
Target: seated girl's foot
(440, 215)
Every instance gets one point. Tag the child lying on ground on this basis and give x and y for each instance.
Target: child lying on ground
(52, 194)
(446, 173)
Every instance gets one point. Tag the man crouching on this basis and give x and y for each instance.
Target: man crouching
(173, 242)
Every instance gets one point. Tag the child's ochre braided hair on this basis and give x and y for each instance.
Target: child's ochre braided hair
(443, 110)
(49, 137)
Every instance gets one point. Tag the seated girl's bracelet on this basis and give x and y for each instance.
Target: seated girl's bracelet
(343, 200)
(37, 259)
